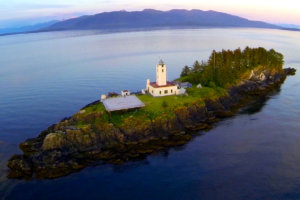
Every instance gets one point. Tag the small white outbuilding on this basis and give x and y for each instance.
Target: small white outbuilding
(103, 97)
(199, 86)
(181, 91)
(125, 93)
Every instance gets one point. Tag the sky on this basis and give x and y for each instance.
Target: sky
(14, 12)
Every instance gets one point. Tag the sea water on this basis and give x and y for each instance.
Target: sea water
(45, 77)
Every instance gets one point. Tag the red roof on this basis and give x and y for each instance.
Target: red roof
(153, 84)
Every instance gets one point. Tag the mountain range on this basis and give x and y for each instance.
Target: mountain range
(152, 19)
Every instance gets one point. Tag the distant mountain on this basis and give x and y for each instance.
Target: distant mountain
(291, 26)
(150, 18)
(14, 30)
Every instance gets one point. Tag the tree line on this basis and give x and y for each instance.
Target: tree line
(225, 67)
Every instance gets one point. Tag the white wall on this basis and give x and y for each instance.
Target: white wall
(172, 90)
(161, 74)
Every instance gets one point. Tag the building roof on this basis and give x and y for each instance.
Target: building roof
(122, 103)
(185, 84)
(154, 84)
(161, 62)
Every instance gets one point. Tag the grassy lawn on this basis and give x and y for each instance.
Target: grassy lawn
(155, 106)
(193, 95)
(206, 92)
(95, 108)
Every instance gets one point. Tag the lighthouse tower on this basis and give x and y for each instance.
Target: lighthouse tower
(161, 74)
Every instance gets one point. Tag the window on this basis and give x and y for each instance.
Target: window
(171, 91)
(166, 91)
(159, 92)
(162, 70)
(152, 91)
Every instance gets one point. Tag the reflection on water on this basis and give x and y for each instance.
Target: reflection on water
(258, 104)
(45, 77)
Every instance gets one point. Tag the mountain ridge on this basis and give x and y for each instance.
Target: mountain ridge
(151, 18)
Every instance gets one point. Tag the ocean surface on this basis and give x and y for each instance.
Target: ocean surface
(45, 77)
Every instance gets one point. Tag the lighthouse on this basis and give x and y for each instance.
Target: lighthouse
(162, 87)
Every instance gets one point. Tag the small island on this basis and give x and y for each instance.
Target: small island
(118, 128)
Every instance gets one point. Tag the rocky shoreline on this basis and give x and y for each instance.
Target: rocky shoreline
(55, 155)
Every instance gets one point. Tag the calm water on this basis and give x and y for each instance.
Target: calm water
(45, 77)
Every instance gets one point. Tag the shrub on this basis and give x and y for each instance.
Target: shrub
(212, 84)
(164, 104)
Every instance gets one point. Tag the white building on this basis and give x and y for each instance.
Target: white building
(103, 97)
(125, 93)
(161, 87)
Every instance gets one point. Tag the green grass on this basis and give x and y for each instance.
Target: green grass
(95, 108)
(206, 92)
(193, 95)
(155, 106)
(81, 125)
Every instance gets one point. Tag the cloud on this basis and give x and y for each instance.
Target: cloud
(42, 6)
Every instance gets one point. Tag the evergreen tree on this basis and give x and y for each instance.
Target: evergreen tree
(197, 67)
(185, 71)
(224, 68)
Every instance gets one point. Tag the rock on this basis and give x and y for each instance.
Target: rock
(214, 106)
(82, 139)
(262, 77)
(82, 111)
(53, 141)
(21, 165)
(136, 129)
(197, 114)
(290, 71)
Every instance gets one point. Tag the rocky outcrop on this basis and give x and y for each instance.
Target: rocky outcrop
(290, 71)
(63, 149)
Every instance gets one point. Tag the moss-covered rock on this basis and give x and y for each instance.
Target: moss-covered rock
(54, 141)
(21, 165)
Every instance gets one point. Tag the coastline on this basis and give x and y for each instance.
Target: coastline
(129, 30)
(53, 163)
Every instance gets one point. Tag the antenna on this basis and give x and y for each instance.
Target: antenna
(161, 62)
